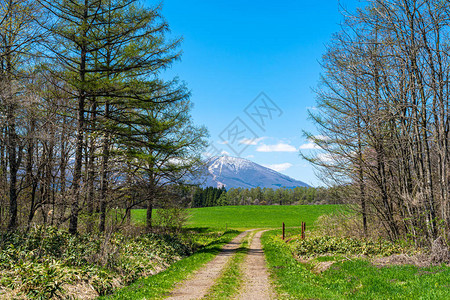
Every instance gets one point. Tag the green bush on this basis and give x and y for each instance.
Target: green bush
(39, 263)
(339, 245)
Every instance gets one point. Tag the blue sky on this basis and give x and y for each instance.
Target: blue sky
(235, 50)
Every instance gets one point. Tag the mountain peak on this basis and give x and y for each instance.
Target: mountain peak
(236, 172)
(237, 162)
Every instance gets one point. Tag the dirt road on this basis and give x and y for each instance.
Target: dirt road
(256, 279)
(197, 286)
(257, 284)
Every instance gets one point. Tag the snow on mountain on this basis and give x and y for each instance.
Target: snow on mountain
(234, 172)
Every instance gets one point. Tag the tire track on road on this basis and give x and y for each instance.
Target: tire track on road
(197, 286)
(257, 285)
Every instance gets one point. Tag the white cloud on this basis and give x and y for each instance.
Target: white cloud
(309, 145)
(325, 157)
(279, 167)
(215, 153)
(250, 156)
(223, 142)
(280, 147)
(175, 161)
(255, 141)
(322, 137)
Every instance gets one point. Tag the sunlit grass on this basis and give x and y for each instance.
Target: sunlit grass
(251, 216)
(351, 278)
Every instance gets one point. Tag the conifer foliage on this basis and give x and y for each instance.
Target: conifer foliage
(86, 114)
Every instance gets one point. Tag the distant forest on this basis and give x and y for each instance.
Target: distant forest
(211, 196)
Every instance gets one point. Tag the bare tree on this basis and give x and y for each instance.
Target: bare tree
(384, 111)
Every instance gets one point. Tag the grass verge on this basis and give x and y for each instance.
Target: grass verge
(251, 216)
(158, 286)
(231, 279)
(354, 279)
(50, 263)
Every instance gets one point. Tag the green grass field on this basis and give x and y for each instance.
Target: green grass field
(347, 278)
(351, 278)
(251, 216)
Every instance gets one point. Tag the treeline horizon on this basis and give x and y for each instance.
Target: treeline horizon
(212, 196)
(87, 121)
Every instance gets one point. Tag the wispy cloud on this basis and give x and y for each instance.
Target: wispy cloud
(322, 137)
(280, 147)
(212, 154)
(325, 157)
(223, 142)
(207, 154)
(251, 141)
(309, 145)
(279, 167)
(175, 161)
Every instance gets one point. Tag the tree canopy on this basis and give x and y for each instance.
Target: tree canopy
(92, 114)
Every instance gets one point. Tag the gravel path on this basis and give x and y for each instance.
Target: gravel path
(257, 285)
(197, 286)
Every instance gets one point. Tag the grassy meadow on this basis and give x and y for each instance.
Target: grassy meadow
(251, 216)
(350, 277)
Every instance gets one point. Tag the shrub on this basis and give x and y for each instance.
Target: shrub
(340, 245)
(38, 264)
(171, 218)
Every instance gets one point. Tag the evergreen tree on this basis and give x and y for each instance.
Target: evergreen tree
(111, 53)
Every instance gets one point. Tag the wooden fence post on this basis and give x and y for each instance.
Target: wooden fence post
(303, 230)
(283, 232)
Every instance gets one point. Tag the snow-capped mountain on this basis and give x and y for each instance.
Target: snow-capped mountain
(234, 172)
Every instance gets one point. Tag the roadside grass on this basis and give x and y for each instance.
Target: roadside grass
(231, 279)
(251, 216)
(350, 279)
(158, 286)
(48, 263)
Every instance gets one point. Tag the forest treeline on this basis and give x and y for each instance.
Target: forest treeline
(211, 196)
(383, 116)
(87, 121)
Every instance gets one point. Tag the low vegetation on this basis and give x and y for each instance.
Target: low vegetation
(159, 285)
(350, 246)
(47, 262)
(50, 263)
(341, 268)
